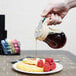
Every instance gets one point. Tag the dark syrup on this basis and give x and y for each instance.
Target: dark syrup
(56, 40)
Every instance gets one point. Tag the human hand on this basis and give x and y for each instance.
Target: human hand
(56, 11)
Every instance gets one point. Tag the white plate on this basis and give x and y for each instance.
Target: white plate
(59, 67)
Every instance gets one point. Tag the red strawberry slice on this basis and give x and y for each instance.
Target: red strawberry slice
(49, 60)
(52, 66)
(40, 63)
(46, 67)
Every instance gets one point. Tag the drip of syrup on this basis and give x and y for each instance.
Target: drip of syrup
(35, 48)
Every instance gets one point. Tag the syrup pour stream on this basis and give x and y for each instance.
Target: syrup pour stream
(35, 48)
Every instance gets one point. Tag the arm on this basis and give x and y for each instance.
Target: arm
(71, 3)
(56, 10)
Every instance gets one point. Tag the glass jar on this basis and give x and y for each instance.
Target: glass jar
(53, 37)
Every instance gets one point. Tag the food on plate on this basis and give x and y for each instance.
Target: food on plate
(32, 61)
(29, 68)
(36, 65)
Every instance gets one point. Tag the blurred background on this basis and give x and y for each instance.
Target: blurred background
(22, 17)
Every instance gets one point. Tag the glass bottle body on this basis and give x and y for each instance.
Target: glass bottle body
(55, 40)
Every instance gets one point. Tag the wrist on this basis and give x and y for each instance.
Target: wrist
(71, 3)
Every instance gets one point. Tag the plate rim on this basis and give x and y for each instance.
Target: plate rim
(50, 72)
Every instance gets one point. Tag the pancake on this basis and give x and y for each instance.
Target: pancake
(32, 61)
(29, 68)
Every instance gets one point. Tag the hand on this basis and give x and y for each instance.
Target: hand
(56, 11)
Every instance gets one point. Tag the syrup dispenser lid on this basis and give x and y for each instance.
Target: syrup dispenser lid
(38, 29)
(43, 29)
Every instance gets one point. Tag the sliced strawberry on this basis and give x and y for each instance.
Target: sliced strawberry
(52, 66)
(49, 60)
(40, 63)
(46, 67)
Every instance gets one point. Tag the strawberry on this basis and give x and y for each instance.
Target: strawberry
(40, 63)
(46, 67)
(49, 60)
(52, 66)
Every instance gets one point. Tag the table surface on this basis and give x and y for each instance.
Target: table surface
(67, 59)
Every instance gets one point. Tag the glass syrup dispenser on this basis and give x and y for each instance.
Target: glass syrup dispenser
(53, 37)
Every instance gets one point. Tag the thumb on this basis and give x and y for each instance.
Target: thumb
(46, 11)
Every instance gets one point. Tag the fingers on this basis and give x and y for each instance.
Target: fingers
(54, 19)
(47, 10)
